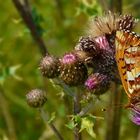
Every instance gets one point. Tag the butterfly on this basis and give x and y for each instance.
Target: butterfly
(128, 61)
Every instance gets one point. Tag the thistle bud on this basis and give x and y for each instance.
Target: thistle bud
(36, 98)
(98, 83)
(127, 22)
(49, 66)
(72, 71)
(89, 49)
(88, 45)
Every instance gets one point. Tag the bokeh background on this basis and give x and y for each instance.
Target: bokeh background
(60, 23)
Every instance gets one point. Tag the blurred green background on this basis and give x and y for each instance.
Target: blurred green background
(61, 23)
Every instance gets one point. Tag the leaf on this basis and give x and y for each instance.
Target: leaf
(87, 124)
(61, 110)
(91, 11)
(3, 76)
(2, 79)
(74, 122)
(71, 125)
(12, 72)
(37, 18)
(77, 119)
(9, 71)
(17, 21)
(53, 116)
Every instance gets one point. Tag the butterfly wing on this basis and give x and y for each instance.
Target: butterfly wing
(128, 60)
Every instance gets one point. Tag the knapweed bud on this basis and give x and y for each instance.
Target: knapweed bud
(127, 22)
(72, 71)
(49, 66)
(36, 98)
(98, 83)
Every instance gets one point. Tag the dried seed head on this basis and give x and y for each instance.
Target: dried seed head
(98, 83)
(102, 25)
(110, 23)
(72, 71)
(127, 22)
(36, 98)
(49, 66)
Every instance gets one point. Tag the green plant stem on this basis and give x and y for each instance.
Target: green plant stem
(60, 9)
(103, 4)
(114, 114)
(88, 107)
(25, 12)
(138, 137)
(116, 6)
(51, 125)
(8, 118)
(77, 109)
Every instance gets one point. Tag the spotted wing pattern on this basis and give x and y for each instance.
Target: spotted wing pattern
(128, 60)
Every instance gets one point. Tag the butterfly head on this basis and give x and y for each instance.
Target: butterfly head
(134, 101)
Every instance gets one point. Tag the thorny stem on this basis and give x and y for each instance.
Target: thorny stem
(45, 118)
(65, 87)
(25, 12)
(87, 108)
(77, 109)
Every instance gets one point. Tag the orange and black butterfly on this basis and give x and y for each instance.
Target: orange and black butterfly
(128, 61)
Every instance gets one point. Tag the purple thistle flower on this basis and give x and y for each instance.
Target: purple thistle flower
(69, 58)
(96, 81)
(103, 43)
(91, 83)
(72, 71)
